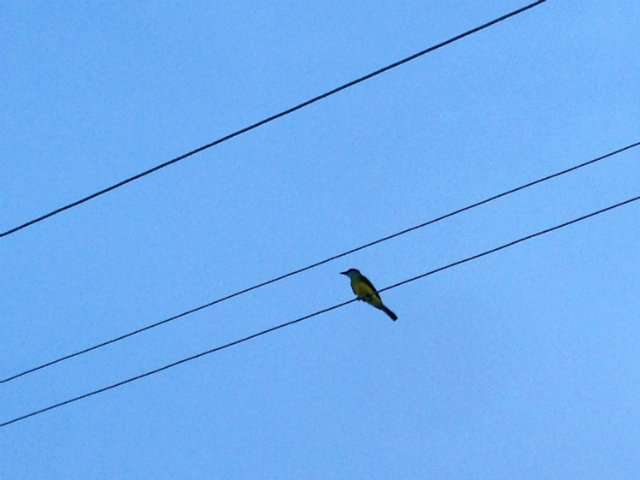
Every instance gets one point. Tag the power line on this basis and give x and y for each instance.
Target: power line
(514, 242)
(319, 312)
(270, 119)
(321, 262)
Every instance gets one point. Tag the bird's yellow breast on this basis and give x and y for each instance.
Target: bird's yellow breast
(362, 289)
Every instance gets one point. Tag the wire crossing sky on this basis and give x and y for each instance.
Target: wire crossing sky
(270, 119)
(321, 262)
(325, 310)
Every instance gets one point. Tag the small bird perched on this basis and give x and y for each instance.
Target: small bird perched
(365, 290)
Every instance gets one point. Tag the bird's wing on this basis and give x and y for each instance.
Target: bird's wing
(368, 282)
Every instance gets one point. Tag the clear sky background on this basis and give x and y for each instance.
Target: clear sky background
(523, 364)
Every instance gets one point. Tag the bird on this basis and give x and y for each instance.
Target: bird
(365, 290)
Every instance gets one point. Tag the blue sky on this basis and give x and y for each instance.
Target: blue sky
(522, 364)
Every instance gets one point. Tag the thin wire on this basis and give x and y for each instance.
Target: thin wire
(514, 242)
(322, 262)
(319, 312)
(270, 119)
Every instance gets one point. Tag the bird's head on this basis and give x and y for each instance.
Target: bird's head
(351, 272)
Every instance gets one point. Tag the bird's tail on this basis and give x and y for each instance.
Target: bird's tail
(393, 316)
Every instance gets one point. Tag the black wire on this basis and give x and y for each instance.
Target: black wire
(322, 262)
(510, 244)
(271, 118)
(184, 360)
(306, 317)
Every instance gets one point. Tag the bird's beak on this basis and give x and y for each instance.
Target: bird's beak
(343, 273)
